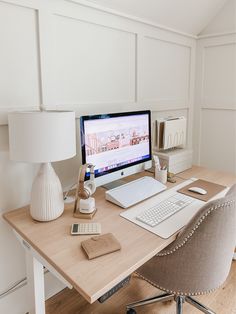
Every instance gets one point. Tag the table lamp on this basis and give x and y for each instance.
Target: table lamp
(43, 137)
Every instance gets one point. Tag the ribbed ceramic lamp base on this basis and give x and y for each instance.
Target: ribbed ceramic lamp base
(46, 195)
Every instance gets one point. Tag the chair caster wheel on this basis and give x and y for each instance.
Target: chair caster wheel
(131, 311)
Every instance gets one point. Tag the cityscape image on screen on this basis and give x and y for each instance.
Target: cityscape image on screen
(111, 142)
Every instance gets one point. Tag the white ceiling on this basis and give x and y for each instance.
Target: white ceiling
(188, 16)
(224, 21)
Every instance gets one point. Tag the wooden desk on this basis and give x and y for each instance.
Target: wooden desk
(51, 245)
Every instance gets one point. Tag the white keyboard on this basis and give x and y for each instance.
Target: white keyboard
(163, 210)
(134, 192)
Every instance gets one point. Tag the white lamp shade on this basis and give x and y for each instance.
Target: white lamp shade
(42, 136)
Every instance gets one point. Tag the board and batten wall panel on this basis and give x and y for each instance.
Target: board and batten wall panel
(215, 111)
(75, 57)
(219, 77)
(92, 63)
(19, 60)
(19, 88)
(165, 72)
(218, 139)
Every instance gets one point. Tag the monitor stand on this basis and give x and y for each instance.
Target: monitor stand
(113, 184)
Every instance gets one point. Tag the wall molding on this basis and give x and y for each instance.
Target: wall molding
(204, 48)
(216, 35)
(118, 29)
(37, 5)
(85, 109)
(176, 102)
(88, 21)
(218, 108)
(45, 13)
(33, 6)
(174, 42)
(24, 3)
(228, 43)
(131, 17)
(211, 104)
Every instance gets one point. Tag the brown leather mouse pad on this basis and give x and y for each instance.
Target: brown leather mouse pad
(211, 188)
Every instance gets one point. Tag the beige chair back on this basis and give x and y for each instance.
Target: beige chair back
(199, 260)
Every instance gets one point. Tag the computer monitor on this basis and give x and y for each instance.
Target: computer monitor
(118, 144)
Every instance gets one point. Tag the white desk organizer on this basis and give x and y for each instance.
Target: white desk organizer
(175, 133)
(169, 144)
(170, 132)
(176, 160)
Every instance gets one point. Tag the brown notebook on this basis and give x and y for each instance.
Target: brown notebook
(212, 189)
(100, 245)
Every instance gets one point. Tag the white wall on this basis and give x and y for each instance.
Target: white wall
(75, 57)
(215, 101)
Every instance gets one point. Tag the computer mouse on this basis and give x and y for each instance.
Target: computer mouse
(197, 190)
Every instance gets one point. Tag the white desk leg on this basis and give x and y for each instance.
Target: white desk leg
(35, 284)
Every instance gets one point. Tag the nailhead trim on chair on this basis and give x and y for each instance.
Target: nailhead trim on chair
(229, 203)
(176, 292)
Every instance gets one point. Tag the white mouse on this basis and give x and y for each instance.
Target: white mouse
(197, 190)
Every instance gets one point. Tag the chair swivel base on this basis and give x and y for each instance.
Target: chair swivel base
(167, 297)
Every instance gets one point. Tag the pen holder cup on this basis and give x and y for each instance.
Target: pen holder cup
(161, 176)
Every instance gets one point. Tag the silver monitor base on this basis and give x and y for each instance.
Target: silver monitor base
(114, 184)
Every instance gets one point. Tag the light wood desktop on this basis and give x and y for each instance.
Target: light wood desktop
(51, 245)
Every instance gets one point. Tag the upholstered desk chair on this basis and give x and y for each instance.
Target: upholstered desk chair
(199, 260)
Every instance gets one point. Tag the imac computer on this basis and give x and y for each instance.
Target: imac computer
(118, 144)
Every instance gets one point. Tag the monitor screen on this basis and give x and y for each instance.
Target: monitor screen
(115, 141)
